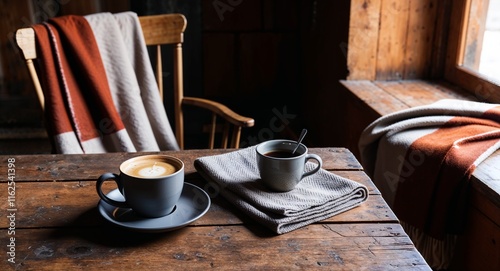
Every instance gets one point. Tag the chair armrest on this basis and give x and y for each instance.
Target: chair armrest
(220, 110)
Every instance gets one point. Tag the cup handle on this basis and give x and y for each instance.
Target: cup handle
(110, 176)
(319, 165)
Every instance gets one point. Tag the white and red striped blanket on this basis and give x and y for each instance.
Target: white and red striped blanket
(422, 158)
(99, 87)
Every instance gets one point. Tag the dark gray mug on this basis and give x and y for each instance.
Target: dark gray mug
(150, 184)
(278, 168)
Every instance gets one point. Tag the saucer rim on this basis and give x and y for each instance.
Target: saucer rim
(104, 208)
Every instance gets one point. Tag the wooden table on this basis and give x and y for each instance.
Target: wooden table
(54, 219)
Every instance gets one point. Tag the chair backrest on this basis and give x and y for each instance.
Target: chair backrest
(158, 30)
(161, 30)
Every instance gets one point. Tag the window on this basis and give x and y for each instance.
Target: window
(473, 60)
(490, 55)
(482, 36)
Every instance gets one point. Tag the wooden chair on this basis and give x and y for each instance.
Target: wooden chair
(159, 30)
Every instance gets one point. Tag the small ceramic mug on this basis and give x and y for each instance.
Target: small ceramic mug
(150, 184)
(279, 169)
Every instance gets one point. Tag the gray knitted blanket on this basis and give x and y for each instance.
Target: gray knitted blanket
(315, 198)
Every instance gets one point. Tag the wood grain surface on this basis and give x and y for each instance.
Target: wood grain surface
(58, 227)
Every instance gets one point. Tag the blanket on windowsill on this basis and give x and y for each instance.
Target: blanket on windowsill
(106, 99)
(422, 158)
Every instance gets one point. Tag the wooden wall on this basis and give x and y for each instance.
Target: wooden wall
(397, 40)
(324, 62)
(251, 62)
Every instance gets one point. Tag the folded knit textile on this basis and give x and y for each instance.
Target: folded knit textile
(317, 197)
(106, 98)
(422, 158)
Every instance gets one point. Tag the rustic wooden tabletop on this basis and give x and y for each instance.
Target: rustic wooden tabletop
(49, 221)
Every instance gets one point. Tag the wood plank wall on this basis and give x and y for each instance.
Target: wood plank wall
(396, 40)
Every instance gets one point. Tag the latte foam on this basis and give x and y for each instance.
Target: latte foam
(150, 168)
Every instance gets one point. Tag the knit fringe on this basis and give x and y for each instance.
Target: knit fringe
(437, 253)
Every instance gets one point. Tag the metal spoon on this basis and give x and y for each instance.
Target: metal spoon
(302, 135)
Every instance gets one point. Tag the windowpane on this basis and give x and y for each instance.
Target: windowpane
(490, 53)
(482, 43)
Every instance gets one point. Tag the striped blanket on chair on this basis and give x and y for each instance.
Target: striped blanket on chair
(99, 86)
(422, 158)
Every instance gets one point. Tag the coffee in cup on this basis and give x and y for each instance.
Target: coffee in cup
(150, 184)
(280, 169)
(149, 168)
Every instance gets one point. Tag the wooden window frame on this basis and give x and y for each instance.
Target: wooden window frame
(477, 84)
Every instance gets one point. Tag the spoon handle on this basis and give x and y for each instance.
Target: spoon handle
(302, 135)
